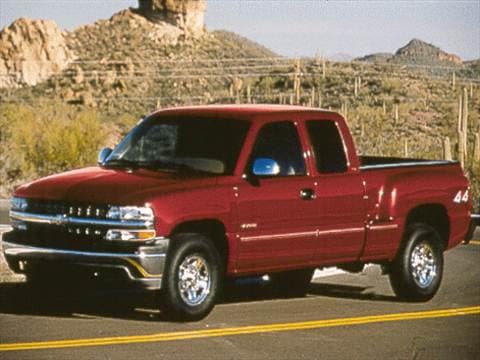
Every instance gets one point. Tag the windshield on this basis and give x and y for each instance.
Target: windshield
(186, 143)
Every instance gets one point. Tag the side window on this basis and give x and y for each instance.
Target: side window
(327, 146)
(279, 141)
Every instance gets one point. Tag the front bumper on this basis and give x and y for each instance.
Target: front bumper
(140, 268)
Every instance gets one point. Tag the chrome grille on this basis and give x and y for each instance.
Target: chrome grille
(45, 207)
(69, 236)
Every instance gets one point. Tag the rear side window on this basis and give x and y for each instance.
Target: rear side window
(327, 146)
(279, 141)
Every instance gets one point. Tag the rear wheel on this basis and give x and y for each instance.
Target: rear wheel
(417, 271)
(192, 278)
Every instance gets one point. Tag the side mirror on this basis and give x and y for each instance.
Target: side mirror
(103, 155)
(265, 167)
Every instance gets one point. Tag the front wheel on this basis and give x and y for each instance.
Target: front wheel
(417, 271)
(192, 277)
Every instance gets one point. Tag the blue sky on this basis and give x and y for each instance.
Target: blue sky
(301, 27)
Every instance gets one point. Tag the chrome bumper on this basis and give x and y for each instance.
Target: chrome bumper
(17, 216)
(144, 267)
(473, 225)
(476, 218)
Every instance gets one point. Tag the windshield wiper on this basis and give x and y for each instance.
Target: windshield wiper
(122, 163)
(170, 165)
(160, 165)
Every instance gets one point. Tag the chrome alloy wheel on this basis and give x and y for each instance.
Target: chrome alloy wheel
(194, 280)
(423, 265)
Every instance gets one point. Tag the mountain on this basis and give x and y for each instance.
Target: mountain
(340, 57)
(420, 52)
(376, 57)
(130, 42)
(416, 52)
(474, 65)
(64, 95)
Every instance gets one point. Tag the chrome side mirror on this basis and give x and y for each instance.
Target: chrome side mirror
(103, 155)
(265, 167)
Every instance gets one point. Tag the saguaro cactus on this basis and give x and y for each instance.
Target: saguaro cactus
(358, 84)
(447, 150)
(296, 81)
(476, 148)
(344, 109)
(462, 127)
(312, 96)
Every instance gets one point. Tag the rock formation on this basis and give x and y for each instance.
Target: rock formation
(186, 14)
(31, 51)
(420, 52)
(416, 52)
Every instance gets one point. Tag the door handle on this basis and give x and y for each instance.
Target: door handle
(307, 194)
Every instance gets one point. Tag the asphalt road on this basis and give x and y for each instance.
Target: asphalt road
(343, 316)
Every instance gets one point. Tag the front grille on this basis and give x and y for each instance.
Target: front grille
(84, 210)
(63, 238)
(68, 237)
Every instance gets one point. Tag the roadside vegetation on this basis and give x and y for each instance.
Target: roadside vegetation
(409, 108)
(392, 110)
(47, 137)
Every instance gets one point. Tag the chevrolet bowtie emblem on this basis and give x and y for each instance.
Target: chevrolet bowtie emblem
(60, 220)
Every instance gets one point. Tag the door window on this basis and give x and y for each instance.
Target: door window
(279, 142)
(327, 146)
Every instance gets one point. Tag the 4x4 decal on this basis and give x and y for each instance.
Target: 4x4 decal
(459, 198)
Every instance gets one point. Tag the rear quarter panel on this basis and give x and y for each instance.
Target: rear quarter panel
(394, 193)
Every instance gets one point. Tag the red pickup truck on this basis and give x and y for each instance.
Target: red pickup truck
(196, 194)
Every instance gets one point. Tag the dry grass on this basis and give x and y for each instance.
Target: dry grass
(6, 275)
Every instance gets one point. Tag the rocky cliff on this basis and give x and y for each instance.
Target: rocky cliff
(188, 15)
(31, 51)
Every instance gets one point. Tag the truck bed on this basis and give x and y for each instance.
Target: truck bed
(383, 162)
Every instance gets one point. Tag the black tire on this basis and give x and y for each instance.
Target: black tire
(194, 297)
(40, 278)
(292, 283)
(416, 272)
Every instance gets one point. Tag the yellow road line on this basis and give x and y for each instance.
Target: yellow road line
(244, 330)
(474, 242)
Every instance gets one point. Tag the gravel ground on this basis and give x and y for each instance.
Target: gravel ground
(6, 275)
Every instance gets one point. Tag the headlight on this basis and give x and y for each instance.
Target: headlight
(130, 213)
(18, 204)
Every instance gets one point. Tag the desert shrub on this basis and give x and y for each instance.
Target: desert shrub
(44, 139)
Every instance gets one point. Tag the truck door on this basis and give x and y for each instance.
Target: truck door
(276, 211)
(339, 204)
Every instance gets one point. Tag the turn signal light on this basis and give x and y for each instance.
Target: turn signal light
(129, 235)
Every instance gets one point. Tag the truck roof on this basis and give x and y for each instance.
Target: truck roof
(238, 109)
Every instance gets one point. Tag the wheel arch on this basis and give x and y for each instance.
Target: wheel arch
(434, 215)
(212, 228)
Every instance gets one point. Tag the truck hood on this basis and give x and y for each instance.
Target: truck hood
(111, 186)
